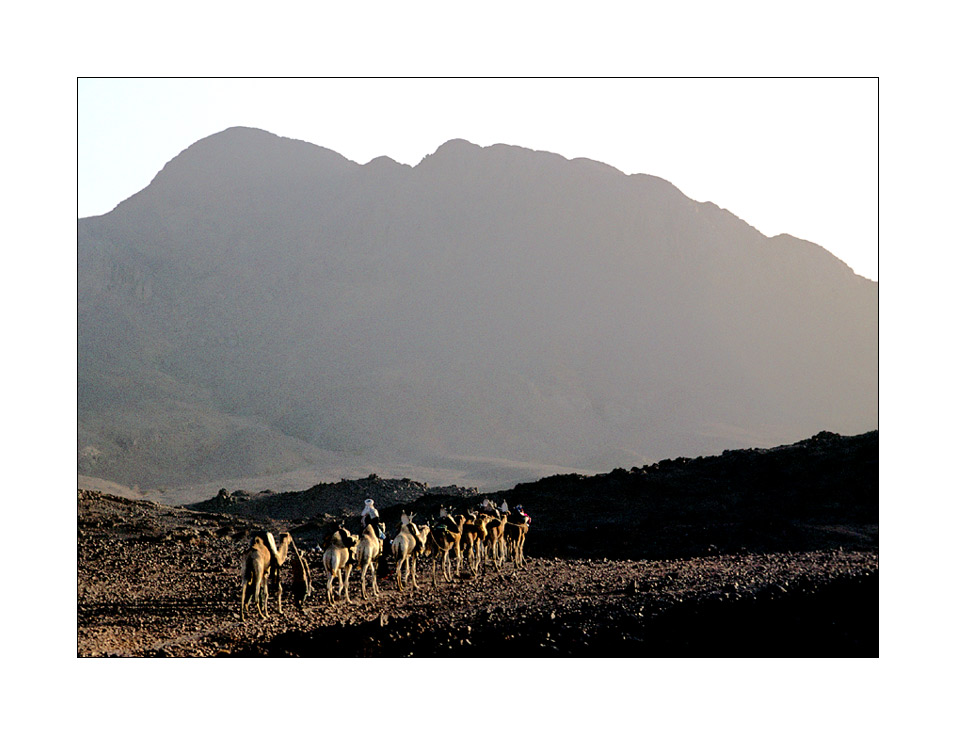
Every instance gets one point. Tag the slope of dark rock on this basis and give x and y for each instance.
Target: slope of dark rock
(821, 492)
(341, 499)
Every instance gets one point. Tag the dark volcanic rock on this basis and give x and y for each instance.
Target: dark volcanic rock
(822, 492)
(342, 499)
(819, 493)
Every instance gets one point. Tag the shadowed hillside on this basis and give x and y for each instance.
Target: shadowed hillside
(266, 305)
(819, 493)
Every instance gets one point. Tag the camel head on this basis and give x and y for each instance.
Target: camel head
(341, 537)
(422, 537)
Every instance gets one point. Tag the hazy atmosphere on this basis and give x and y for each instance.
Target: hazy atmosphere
(794, 156)
(269, 313)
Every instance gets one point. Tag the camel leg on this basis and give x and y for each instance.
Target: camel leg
(279, 595)
(262, 601)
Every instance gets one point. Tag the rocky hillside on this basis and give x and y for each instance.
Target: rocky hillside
(266, 305)
(822, 492)
(339, 499)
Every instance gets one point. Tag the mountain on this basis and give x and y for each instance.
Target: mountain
(266, 305)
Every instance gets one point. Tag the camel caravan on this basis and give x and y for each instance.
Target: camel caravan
(474, 539)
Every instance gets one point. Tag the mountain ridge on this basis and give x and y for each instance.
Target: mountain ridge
(457, 307)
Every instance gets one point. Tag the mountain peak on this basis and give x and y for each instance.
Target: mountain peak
(385, 162)
(454, 149)
(239, 154)
(240, 141)
(456, 145)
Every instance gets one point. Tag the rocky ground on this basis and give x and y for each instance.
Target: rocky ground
(160, 581)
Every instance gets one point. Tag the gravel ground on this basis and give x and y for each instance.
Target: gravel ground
(160, 581)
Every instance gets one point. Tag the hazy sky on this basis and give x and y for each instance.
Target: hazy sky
(786, 155)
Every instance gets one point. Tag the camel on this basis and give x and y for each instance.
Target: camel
(406, 547)
(263, 558)
(301, 577)
(441, 540)
(473, 534)
(367, 554)
(254, 587)
(337, 560)
(495, 540)
(514, 536)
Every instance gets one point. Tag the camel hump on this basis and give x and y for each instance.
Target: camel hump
(271, 544)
